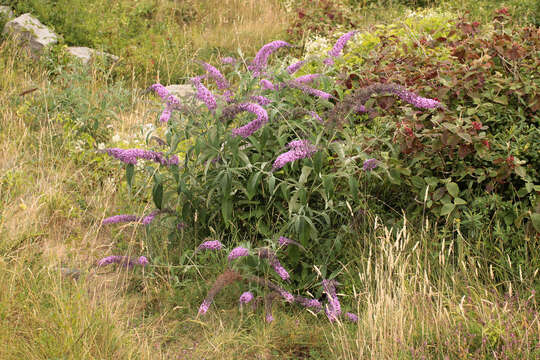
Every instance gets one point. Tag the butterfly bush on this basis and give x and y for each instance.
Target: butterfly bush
(221, 139)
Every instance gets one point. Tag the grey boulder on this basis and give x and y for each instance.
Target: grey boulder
(31, 32)
(86, 54)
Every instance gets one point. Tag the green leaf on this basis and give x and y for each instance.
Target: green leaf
(418, 182)
(252, 184)
(306, 170)
(130, 171)
(535, 218)
(226, 208)
(453, 189)
(271, 184)
(353, 187)
(503, 100)
(447, 209)
(459, 201)
(157, 194)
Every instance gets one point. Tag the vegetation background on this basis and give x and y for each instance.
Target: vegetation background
(428, 287)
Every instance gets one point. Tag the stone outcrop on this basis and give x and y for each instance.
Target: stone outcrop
(86, 54)
(31, 32)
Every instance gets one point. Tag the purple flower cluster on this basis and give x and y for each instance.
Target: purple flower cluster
(238, 252)
(309, 90)
(254, 125)
(333, 309)
(211, 245)
(204, 94)
(123, 260)
(267, 84)
(215, 74)
(261, 58)
(245, 297)
(307, 79)
(172, 103)
(261, 100)
(351, 317)
(149, 218)
(309, 303)
(300, 149)
(269, 318)
(119, 219)
(415, 100)
(291, 69)
(286, 295)
(316, 116)
(160, 90)
(274, 262)
(228, 60)
(204, 307)
(338, 47)
(130, 156)
(370, 164)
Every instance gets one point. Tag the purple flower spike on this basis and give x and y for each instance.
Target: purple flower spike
(123, 260)
(309, 303)
(238, 252)
(274, 262)
(150, 217)
(306, 79)
(269, 318)
(130, 156)
(316, 116)
(120, 218)
(300, 149)
(261, 100)
(417, 101)
(283, 241)
(309, 90)
(215, 74)
(286, 295)
(370, 164)
(204, 94)
(261, 58)
(160, 90)
(228, 96)
(165, 115)
(328, 61)
(291, 69)
(340, 44)
(351, 317)
(267, 85)
(228, 60)
(211, 245)
(245, 297)
(333, 308)
(204, 307)
(254, 125)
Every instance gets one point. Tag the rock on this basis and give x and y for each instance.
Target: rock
(86, 54)
(33, 33)
(182, 91)
(6, 12)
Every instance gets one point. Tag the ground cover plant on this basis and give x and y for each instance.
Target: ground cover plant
(272, 195)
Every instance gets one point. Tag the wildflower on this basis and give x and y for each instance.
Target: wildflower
(215, 74)
(309, 90)
(123, 260)
(316, 116)
(204, 307)
(130, 156)
(415, 100)
(308, 303)
(120, 218)
(274, 262)
(269, 318)
(254, 125)
(160, 90)
(211, 245)
(204, 94)
(238, 252)
(165, 115)
(286, 295)
(261, 58)
(228, 96)
(291, 69)
(300, 149)
(150, 217)
(340, 44)
(352, 317)
(306, 79)
(333, 308)
(267, 85)
(245, 297)
(370, 164)
(228, 60)
(361, 109)
(261, 100)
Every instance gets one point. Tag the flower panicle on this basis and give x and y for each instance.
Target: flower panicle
(215, 74)
(123, 260)
(300, 149)
(130, 156)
